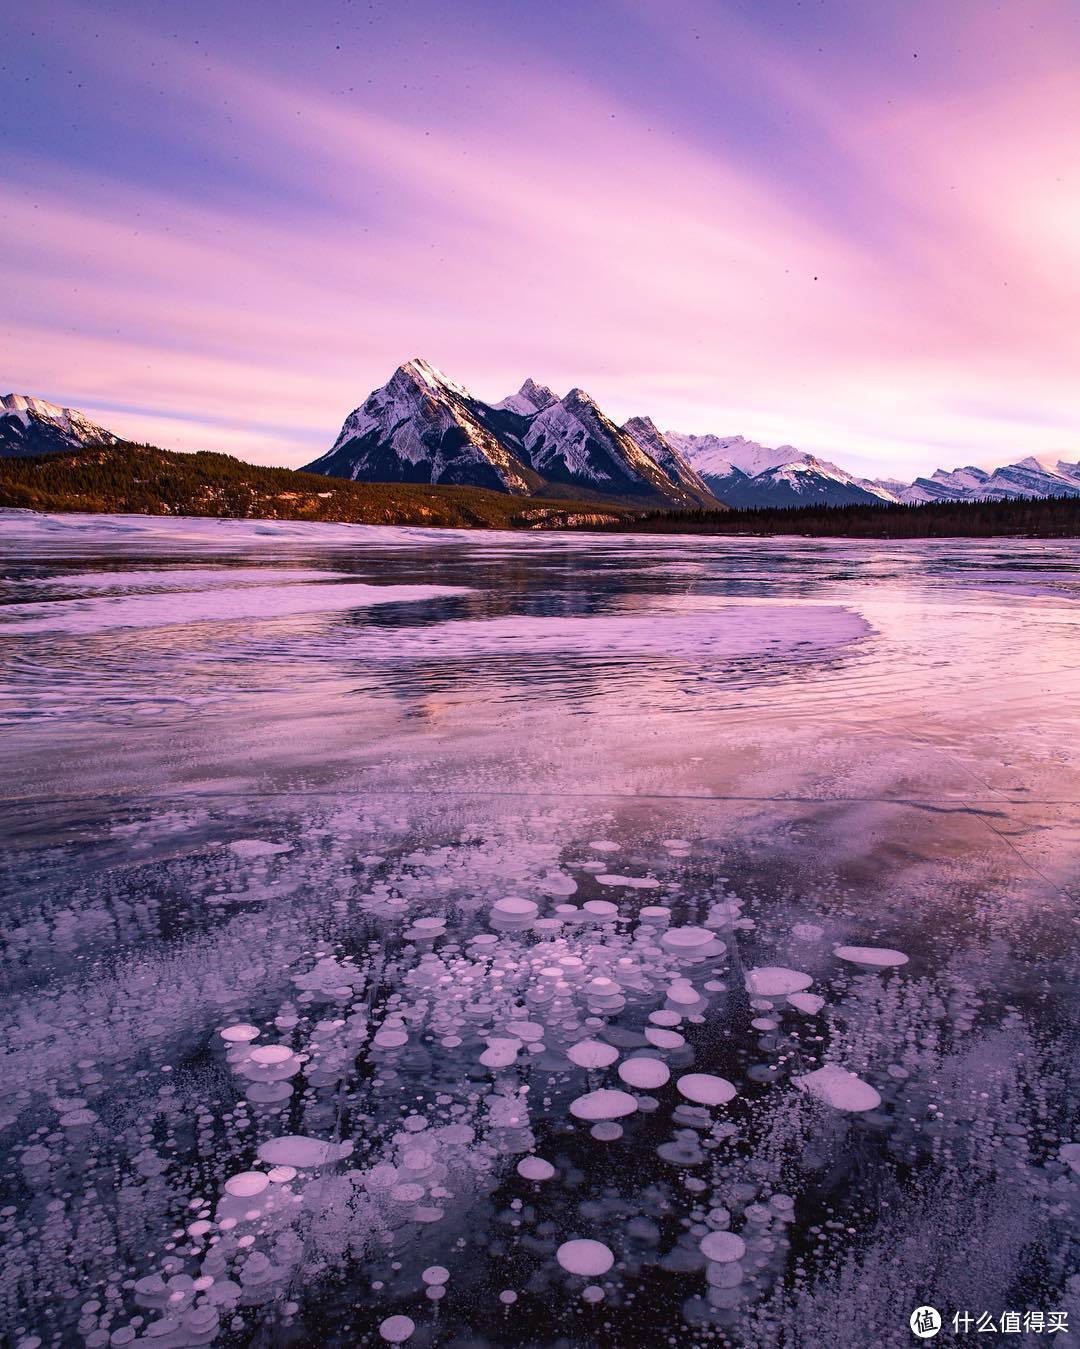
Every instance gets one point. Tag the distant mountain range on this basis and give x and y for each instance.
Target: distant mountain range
(422, 427)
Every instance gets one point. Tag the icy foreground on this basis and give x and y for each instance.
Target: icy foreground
(578, 941)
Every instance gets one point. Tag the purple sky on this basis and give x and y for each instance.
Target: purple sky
(850, 226)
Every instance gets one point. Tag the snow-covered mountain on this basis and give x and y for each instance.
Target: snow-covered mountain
(1027, 478)
(743, 473)
(529, 399)
(572, 441)
(649, 438)
(424, 427)
(716, 456)
(32, 426)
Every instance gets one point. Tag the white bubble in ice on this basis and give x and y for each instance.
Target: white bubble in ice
(811, 1003)
(515, 908)
(686, 940)
(397, 1329)
(664, 1039)
(839, 1088)
(603, 1104)
(500, 1053)
(592, 1054)
(535, 1168)
(435, 1274)
(705, 1089)
(630, 882)
(389, 1037)
(644, 1073)
(257, 847)
(722, 1247)
(239, 1034)
(881, 957)
(302, 1150)
(246, 1184)
(266, 1054)
(773, 981)
(1070, 1155)
(585, 1257)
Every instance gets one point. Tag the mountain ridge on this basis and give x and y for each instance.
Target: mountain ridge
(423, 427)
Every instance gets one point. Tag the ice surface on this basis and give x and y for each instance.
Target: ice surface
(221, 604)
(305, 929)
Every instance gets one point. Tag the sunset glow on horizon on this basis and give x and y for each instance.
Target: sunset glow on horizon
(852, 228)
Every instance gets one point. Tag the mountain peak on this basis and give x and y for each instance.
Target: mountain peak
(30, 425)
(24, 402)
(646, 425)
(529, 399)
(422, 373)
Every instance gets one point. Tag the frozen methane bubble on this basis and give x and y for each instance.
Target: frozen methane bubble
(513, 912)
(500, 1053)
(246, 1184)
(839, 1088)
(302, 1150)
(664, 1039)
(397, 1329)
(535, 1168)
(687, 940)
(1070, 1155)
(881, 957)
(271, 1054)
(435, 1274)
(592, 1054)
(585, 1257)
(603, 1104)
(773, 981)
(239, 1034)
(811, 1003)
(722, 1247)
(644, 1073)
(705, 1089)
(257, 847)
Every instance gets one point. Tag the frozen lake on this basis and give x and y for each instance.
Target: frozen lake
(472, 939)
